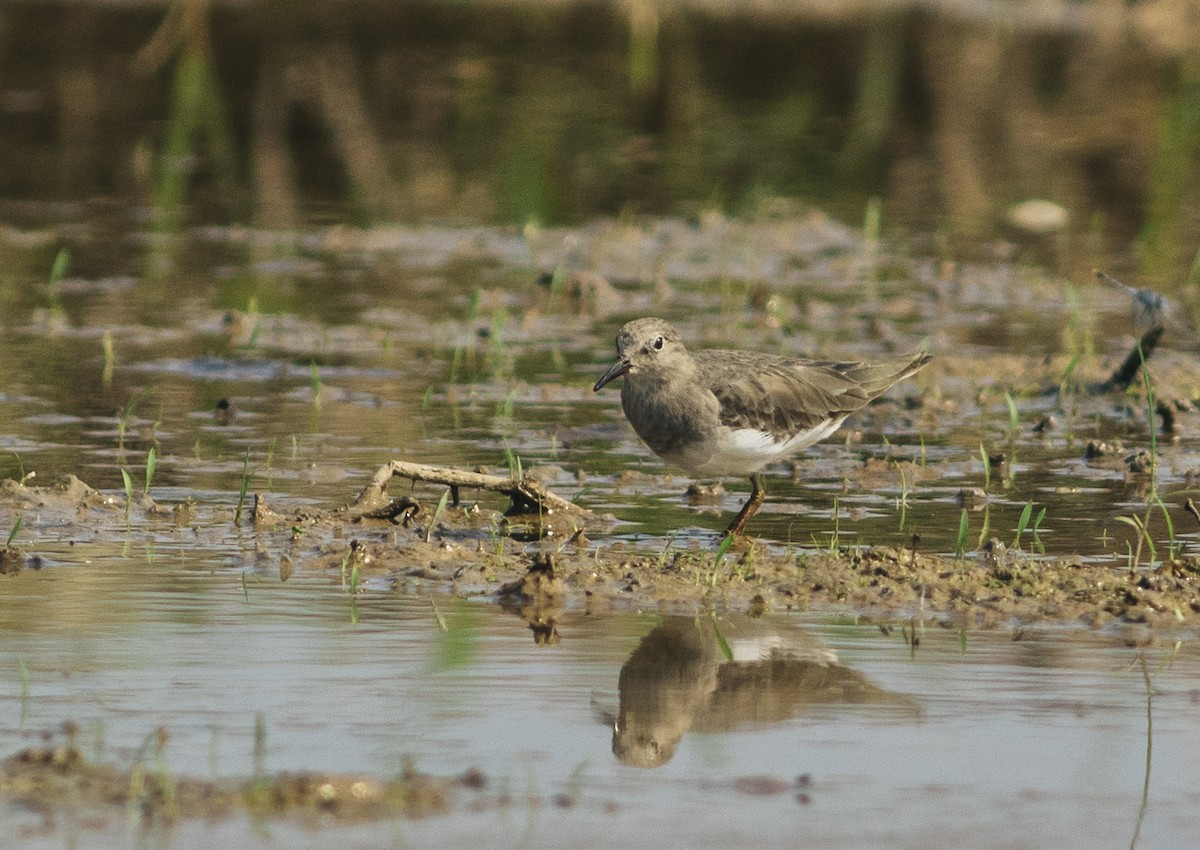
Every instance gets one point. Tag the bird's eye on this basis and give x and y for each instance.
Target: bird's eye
(658, 343)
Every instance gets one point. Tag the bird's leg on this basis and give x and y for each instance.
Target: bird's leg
(757, 496)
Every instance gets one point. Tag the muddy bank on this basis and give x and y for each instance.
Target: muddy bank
(537, 565)
(55, 774)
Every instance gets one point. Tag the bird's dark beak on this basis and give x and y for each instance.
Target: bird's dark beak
(615, 371)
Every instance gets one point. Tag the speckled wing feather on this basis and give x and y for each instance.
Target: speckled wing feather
(784, 396)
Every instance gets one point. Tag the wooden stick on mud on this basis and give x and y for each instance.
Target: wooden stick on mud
(528, 496)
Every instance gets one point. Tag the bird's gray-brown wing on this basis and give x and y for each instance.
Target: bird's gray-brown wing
(785, 396)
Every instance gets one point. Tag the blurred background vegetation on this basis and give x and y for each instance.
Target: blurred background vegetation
(282, 114)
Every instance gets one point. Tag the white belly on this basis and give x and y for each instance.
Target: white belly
(746, 450)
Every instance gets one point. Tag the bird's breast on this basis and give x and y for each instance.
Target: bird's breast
(674, 424)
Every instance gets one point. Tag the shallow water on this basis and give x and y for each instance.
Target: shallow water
(979, 740)
(340, 348)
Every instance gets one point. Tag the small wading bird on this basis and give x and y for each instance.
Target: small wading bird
(725, 413)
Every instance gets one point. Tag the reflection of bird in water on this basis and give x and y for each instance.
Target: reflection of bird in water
(1148, 309)
(698, 675)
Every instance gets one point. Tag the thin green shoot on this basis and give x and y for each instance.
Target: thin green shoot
(873, 220)
(515, 472)
(835, 535)
(903, 485)
(16, 529)
(437, 515)
(58, 270)
(1023, 523)
(352, 586)
(986, 528)
(1064, 383)
(128, 492)
(1174, 547)
(558, 281)
(964, 523)
(723, 550)
(151, 462)
(1037, 524)
(1194, 270)
(987, 466)
(903, 501)
(1014, 418)
(237, 516)
(666, 550)
(1143, 538)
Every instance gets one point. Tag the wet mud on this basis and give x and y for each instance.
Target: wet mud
(1107, 442)
(55, 774)
(407, 543)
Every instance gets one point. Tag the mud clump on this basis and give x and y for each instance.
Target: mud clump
(467, 551)
(49, 777)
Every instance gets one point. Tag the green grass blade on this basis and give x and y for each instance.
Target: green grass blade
(151, 462)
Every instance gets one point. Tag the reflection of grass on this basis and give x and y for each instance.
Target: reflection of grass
(197, 122)
(260, 744)
(151, 786)
(237, 517)
(23, 672)
(110, 357)
(314, 383)
(437, 615)
(53, 291)
(458, 638)
(123, 421)
(1176, 159)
